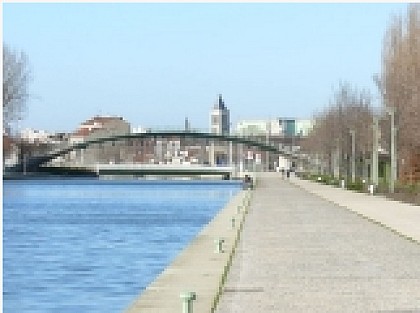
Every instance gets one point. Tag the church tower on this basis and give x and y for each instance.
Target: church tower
(219, 118)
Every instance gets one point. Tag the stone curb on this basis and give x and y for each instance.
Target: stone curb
(198, 268)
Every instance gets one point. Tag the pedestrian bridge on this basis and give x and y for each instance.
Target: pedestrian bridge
(33, 164)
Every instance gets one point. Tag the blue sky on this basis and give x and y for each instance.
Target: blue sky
(155, 64)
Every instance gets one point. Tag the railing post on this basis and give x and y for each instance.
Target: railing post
(187, 301)
(371, 189)
(219, 245)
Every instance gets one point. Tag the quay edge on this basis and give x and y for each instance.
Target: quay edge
(199, 268)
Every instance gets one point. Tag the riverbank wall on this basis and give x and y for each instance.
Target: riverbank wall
(199, 271)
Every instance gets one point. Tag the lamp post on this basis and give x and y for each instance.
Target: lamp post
(353, 155)
(391, 112)
(267, 141)
(374, 170)
(337, 159)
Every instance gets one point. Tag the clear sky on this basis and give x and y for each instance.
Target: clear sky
(155, 64)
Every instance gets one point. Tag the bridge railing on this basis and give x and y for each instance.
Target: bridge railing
(171, 129)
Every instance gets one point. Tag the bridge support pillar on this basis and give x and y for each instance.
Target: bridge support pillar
(267, 161)
(240, 157)
(230, 153)
(211, 153)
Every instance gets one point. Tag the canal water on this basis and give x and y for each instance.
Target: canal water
(92, 245)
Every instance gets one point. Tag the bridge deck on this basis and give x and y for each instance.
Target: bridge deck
(162, 169)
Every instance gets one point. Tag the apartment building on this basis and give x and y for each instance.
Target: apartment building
(94, 128)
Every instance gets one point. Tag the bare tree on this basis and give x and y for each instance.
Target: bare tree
(349, 112)
(16, 76)
(400, 86)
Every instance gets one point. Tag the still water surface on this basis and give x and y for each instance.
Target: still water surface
(93, 246)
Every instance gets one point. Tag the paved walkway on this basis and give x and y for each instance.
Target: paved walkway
(403, 218)
(301, 253)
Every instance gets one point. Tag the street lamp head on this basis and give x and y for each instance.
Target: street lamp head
(390, 110)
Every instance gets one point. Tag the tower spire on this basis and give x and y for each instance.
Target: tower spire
(221, 103)
(219, 117)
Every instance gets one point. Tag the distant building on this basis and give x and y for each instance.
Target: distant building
(220, 125)
(279, 127)
(31, 142)
(295, 127)
(256, 128)
(140, 130)
(100, 126)
(219, 118)
(10, 150)
(34, 135)
(303, 127)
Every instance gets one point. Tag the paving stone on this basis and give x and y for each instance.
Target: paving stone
(301, 253)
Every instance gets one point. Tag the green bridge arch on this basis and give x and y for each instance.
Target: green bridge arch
(38, 161)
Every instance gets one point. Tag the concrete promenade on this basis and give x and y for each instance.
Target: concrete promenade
(403, 218)
(302, 253)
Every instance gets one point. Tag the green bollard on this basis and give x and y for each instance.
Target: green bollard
(187, 301)
(219, 245)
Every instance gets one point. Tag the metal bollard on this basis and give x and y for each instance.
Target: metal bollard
(219, 245)
(371, 189)
(343, 184)
(187, 301)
